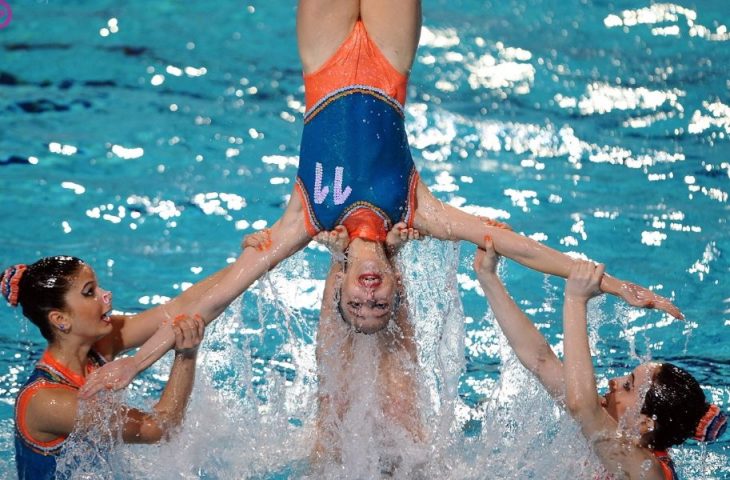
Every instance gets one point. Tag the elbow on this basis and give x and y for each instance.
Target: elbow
(166, 425)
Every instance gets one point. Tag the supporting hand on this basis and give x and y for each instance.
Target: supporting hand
(336, 240)
(189, 333)
(486, 260)
(260, 240)
(399, 235)
(584, 281)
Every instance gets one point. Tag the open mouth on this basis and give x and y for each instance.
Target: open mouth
(107, 317)
(370, 280)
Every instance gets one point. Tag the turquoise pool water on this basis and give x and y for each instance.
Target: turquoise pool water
(149, 137)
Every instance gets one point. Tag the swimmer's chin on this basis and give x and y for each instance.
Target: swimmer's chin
(368, 330)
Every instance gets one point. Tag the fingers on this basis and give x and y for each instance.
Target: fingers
(495, 223)
(189, 332)
(665, 305)
(260, 240)
(405, 232)
(98, 381)
(488, 244)
(661, 303)
(91, 387)
(486, 259)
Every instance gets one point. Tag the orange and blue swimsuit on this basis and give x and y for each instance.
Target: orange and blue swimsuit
(355, 165)
(35, 459)
(665, 462)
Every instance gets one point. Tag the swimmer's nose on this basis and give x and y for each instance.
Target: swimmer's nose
(612, 385)
(106, 297)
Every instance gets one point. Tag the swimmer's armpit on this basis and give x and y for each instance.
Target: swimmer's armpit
(260, 240)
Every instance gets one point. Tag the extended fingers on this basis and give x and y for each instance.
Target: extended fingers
(666, 305)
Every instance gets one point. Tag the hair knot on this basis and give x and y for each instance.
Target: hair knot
(712, 425)
(10, 284)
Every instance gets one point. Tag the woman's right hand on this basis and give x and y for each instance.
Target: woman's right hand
(112, 376)
(336, 240)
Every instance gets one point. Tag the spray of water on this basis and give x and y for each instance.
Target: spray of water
(256, 412)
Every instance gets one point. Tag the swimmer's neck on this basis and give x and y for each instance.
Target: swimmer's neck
(71, 354)
(363, 249)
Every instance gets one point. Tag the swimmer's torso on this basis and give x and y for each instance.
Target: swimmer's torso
(355, 164)
(36, 459)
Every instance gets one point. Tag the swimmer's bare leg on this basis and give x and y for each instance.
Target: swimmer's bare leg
(395, 26)
(322, 26)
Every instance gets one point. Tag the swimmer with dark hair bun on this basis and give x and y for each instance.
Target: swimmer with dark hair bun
(62, 297)
(656, 406)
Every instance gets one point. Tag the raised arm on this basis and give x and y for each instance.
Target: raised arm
(169, 412)
(618, 455)
(286, 237)
(445, 222)
(528, 343)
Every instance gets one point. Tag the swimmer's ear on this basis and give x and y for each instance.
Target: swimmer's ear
(58, 320)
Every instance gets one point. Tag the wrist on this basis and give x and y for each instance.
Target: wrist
(186, 354)
(488, 277)
(611, 284)
(576, 298)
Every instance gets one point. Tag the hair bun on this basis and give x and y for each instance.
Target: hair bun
(712, 425)
(9, 286)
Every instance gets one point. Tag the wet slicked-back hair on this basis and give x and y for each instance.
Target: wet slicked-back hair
(677, 403)
(43, 287)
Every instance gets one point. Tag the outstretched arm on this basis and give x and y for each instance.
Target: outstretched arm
(527, 342)
(287, 236)
(445, 222)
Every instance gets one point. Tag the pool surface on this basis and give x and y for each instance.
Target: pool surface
(149, 137)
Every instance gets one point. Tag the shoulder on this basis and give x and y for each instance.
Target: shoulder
(45, 396)
(47, 407)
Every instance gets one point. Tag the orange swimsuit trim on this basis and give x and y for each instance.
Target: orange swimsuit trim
(358, 61)
(23, 401)
(74, 382)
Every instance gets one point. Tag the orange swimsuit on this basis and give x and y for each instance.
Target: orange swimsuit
(355, 165)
